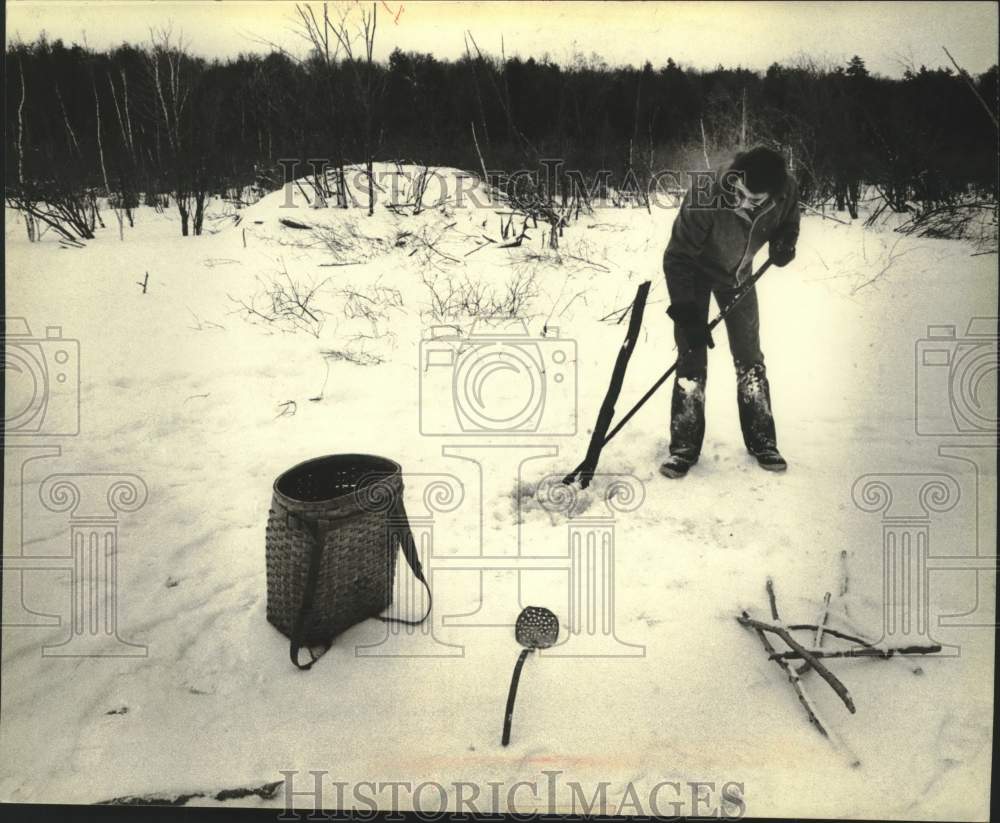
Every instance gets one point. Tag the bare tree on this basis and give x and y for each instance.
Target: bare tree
(318, 30)
(369, 86)
(52, 191)
(115, 203)
(29, 218)
(129, 166)
(172, 80)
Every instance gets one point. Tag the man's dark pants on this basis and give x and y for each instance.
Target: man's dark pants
(687, 414)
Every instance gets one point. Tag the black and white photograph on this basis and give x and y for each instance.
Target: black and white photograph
(475, 408)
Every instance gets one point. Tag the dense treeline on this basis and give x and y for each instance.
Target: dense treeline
(140, 122)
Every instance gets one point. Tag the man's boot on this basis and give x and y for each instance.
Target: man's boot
(756, 419)
(687, 426)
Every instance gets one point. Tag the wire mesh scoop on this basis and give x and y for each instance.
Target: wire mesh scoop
(536, 628)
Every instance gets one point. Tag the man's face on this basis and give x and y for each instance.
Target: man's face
(748, 200)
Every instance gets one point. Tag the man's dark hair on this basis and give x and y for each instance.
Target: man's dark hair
(762, 170)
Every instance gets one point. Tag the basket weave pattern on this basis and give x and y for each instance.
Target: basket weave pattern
(352, 498)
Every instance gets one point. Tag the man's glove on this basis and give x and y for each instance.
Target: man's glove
(782, 252)
(695, 329)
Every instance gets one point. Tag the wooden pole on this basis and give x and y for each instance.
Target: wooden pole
(597, 440)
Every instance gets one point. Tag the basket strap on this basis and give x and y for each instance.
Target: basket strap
(316, 529)
(409, 546)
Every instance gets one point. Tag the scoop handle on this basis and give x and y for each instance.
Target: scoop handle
(512, 694)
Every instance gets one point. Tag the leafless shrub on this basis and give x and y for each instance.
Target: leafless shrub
(584, 261)
(69, 211)
(426, 243)
(355, 355)
(282, 302)
(452, 298)
(369, 309)
(409, 198)
(975, 221)
(371, 304)
(345, 242)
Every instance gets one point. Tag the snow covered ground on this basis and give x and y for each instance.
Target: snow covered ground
(206, 403)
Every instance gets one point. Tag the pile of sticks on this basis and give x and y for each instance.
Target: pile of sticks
(812, 658)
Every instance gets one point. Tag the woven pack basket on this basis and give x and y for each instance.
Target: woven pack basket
(334, 528)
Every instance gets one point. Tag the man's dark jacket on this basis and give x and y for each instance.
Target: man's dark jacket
(712, 243)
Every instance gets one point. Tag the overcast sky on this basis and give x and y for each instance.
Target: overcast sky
(887, 35)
